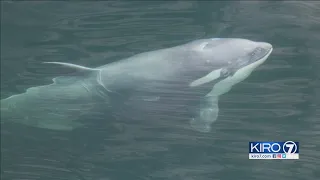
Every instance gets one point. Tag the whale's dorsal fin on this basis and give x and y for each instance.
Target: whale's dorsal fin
(74, 66)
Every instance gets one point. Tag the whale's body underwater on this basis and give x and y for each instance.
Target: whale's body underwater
(184, 80)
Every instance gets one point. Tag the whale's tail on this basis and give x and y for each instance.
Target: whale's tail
(57, 106)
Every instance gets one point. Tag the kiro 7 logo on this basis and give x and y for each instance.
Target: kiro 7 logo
(288, 147)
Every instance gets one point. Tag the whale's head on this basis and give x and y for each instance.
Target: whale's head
(221, 63)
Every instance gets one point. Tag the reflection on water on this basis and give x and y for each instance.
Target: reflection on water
(278, 102)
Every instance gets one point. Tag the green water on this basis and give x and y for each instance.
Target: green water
(278, 102)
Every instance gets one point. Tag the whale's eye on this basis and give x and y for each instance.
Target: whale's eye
(224, 73)
(203, 45)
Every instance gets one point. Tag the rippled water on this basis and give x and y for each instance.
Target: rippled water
(277, 102)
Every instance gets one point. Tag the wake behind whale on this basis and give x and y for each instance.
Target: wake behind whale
(186, 79)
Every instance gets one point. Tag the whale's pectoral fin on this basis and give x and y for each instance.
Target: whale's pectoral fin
(214, 75)
(74, 66)
(208, 113)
